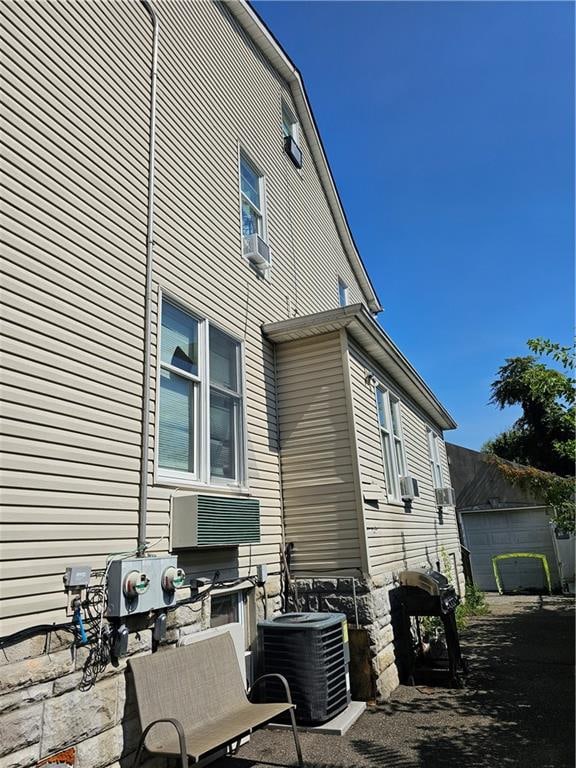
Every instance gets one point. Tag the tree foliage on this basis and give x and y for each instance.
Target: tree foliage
(542, 439)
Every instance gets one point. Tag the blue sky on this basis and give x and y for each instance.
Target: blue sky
(449, 127)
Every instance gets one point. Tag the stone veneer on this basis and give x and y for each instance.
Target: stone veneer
(42, 711)
(372, 606)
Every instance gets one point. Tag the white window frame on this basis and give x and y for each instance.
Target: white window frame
(435, 459)
(288, 112)
(241, 600)
(244, 156)
(343, 293)
(202, 476)
(392, 443)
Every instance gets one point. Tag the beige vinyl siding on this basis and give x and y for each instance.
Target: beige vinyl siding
(72, 318)
(320, 509)
(75, 125)
(398, 539)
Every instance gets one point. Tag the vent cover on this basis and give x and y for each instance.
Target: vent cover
(203, 520)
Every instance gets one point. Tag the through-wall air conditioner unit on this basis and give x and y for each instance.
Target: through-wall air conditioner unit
(257, 251)
(204, 520)
(409, 487)
(293, 151)
(445, 497)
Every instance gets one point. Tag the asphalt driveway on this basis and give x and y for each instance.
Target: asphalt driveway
(517, 708)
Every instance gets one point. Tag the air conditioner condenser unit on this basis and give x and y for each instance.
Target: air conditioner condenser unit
(445, 497)
(311, 651)
(409, 487)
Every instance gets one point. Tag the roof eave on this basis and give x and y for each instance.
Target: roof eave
(360, 324)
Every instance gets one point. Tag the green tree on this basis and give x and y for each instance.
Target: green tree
(541, 441)
(543, 436)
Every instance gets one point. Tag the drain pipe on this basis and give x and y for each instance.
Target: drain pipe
(143, 498)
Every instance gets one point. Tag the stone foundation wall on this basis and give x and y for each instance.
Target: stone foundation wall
(368, 606)
(43, 710)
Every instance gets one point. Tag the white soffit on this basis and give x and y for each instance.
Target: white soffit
(361, 326)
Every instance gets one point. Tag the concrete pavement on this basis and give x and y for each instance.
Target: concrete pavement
(517, 708)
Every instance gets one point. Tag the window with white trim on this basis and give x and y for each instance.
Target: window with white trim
(343, 293)
(200, 423)
(434, 454)
(289, 123)
(291, 134)
(252, 199)
(227, 608)
(392, 441)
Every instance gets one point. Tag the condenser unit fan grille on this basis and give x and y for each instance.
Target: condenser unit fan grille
(314, 662)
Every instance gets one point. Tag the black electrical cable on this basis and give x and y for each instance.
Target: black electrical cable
(199, 596)
(38, 629)
(92, 605)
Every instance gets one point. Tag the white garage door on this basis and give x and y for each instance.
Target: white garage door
(500, 532)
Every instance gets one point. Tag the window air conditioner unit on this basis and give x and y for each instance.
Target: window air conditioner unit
(257, 251)
(445, 497)
(409, 487)
(293, 151)
(204, 520)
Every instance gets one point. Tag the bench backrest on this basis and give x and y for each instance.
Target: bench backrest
(194, 684)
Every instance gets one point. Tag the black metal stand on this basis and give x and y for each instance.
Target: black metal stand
(457, 667)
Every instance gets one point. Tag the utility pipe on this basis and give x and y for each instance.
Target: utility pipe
(143, 497)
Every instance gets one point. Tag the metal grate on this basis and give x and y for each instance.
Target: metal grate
(312, 658)
(203, 520)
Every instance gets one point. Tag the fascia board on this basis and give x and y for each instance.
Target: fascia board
(361, 326)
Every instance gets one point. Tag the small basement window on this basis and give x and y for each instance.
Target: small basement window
(227, 608)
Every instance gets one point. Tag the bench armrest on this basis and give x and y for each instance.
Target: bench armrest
(272, 674)
(181, 738)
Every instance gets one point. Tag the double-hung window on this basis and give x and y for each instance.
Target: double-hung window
(289, 123)
(225, 406)
(252, 199)
(200, 423)
(392, 442)
(434, 454)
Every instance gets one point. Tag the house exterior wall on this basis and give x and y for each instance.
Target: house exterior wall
(391, 536)
(76, 109)
(317, 458)
(75, 217)
(400, 537)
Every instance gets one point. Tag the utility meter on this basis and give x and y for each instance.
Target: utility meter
(172, 578)
(135, 584)
(142, 584)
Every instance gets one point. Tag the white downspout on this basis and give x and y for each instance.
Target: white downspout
(143, 497)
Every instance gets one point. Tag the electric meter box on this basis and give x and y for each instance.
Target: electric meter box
(139, 585)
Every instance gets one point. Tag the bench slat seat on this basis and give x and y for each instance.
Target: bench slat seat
(212, 735)
(192, 700)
